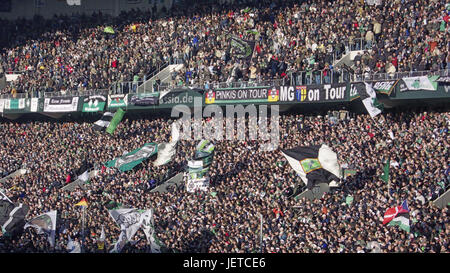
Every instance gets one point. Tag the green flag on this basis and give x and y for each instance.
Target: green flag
(134, 158)
(253, 31)
(385, 176)
(442, 26)
(109, 30)
(349, 200)
(115, 121)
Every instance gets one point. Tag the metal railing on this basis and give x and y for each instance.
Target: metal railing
(397, 75)
(74, 93)
(16, 96)
(294, 78)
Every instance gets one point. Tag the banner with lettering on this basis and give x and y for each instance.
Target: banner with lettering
(94, 103)
(61, 104)
(117, 101)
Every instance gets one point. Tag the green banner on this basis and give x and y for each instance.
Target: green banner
(134, 158)
(179, 96)
(94, 103)
(115, 121)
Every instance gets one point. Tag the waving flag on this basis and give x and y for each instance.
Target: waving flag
(45, 223)
(12, 216)
(82, 203)
(398, 216)
(104, 121)
(73, 246)
(369, 99)
(115, 121)
(133, 158)
(385, 176)
(314, 164)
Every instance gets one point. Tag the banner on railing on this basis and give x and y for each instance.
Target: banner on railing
(2, 105)
(94, 103)
(384, 87)
(444, 80)
(144, 99)
(23, 105)
(179, 96)
(309, 93)
(61, 104)
(117, 101)
(280, 94)
(418, 83)
(239, 95)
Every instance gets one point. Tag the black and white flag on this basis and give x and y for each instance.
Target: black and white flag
(45, 223)
(103, 123)
(83, 172)
(241, 49)
(314, 164)
(12, 217)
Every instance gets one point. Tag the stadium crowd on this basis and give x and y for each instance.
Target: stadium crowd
(245, 182)
(298, 39)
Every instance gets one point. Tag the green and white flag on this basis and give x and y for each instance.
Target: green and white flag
(369, 99)
(205, 152)
(385, 176)
(133, 158)
(115, 121)
(94, 103)
(419, 83)
(349, 200)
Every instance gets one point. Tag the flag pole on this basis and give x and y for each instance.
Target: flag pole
(261, 233)
(82, 229)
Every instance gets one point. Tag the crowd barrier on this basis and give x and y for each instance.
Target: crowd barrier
(420, 87)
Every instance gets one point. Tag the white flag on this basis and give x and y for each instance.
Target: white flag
(391, 135)
(129, 221)
(73, 246)
(175, 133)
(166, 151)
(149, 230)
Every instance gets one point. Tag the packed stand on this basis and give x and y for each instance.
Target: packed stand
(298, 41)
(246, 181)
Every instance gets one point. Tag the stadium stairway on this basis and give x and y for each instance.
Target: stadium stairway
(348, 58)
(442, 200)
(12, 175)
(163, 75)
